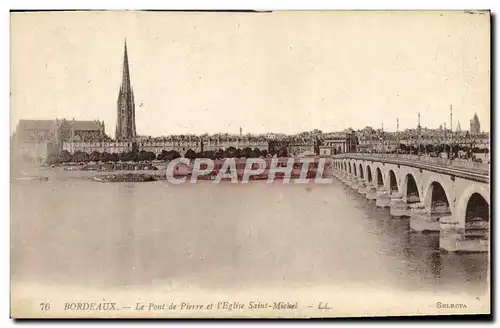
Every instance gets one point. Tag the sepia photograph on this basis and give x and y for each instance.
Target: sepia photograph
(249, 164)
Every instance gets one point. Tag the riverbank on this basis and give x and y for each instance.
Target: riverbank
(128, 177)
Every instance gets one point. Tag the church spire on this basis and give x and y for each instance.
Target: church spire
(126, 74)
(125, 125)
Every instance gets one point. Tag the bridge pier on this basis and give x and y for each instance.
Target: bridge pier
(452, 238)
(362, 187)
(421, 219)
(348, 179)
(371, 192)
(383, 198)
(398, 207)
(355, 183)
(450, 234)
(341, 176)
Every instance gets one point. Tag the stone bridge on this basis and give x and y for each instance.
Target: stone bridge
(448, 196)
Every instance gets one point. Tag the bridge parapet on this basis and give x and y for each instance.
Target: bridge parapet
(466, 169)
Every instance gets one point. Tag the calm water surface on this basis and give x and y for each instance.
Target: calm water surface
(75, 231)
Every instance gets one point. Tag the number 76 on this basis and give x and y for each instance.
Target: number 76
(44, 306)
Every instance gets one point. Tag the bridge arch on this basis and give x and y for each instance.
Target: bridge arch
(392, 182)
(379, 179)
(350, 169)
(369, 173)
(354, 168)
(361, 173)
(437, 198)
(477, 218)
(410, 189)
(474, 196)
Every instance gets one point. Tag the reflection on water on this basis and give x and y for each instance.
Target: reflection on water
(214, 236)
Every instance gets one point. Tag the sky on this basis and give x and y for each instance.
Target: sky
(282, 72)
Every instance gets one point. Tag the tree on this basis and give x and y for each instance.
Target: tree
(174, 154)
(129, 156)
(429, 148)
(206, 154)
(256, 153)
(94, 156)
(150, 156)
(168, 155)
(237, 153)
(465, 148)
(272, 147)
(317, 143)
(162, 156)
(246, 152)
(122, 156)
(263, 152)
(282, 152)
(105, 157)
(230, 152)
(190, 154)
(65, 157)
(142, 155)
(133, 155)
(114, 157)
(80, 157)
(219, 154)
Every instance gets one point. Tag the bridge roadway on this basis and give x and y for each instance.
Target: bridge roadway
(448, 196)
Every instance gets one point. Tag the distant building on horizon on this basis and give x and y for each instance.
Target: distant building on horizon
(475, 126)
(35, 140)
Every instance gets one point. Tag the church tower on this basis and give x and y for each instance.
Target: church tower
(125, 123)
(475, 126)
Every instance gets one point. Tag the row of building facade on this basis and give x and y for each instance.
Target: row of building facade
(38, 140)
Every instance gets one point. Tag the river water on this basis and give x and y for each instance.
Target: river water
(86, 233)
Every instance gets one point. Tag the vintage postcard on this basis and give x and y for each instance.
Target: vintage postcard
(281, 164)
